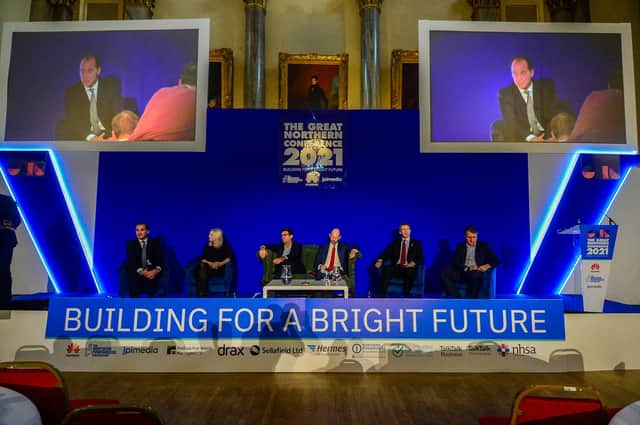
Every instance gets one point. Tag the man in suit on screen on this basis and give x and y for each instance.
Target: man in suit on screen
(471, 260)
(90, 104)
(405, 254)
(144, 263)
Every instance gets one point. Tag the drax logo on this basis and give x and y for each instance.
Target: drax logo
(225, 351)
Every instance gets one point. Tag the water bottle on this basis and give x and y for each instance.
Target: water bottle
(286, 275)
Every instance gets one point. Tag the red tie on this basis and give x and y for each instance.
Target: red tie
(332, 260)
(403, 253)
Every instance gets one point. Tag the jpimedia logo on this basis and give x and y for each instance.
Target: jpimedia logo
(73, 350)
(139, 350)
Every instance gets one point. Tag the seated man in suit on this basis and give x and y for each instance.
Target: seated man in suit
(287, 252)
(527, 105)
(471, 260)
(144, 263)
(90, 104)
(334, 255)
(405, 254)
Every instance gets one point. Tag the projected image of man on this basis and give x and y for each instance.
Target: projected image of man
(527, 105)
(90, 104)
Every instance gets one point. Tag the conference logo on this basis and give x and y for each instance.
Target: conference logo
(503, 350)
(73, 350)
(138, 350)
(327, 349)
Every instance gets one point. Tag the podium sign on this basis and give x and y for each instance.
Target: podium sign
(596, 247)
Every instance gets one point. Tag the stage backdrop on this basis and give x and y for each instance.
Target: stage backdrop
(237, 185)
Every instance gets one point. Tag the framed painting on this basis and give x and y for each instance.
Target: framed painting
(404, 79)
(312, 81)
(220, 78)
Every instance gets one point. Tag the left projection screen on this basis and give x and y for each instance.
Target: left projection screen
(105, 86)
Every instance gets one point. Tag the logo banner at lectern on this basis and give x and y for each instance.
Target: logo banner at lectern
(597, 243)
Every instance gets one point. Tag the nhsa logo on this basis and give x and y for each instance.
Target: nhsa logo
(230, 351)
(516, 350)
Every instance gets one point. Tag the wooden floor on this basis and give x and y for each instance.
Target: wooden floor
(335, 399)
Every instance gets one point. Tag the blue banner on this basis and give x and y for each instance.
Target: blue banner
(218, 318)
(597, 241)
(312, 151)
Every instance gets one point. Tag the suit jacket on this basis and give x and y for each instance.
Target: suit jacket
(514, 109)
(414, 252)
(76, 124)
(343, 255)
(484, 255)
(294, 259)
(134, 254)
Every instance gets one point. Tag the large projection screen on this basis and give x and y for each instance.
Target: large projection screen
(105, 85)
(526, 87)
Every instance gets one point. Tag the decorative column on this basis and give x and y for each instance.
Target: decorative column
(485, 10)
(255, 12)
(61, 10)
(370, 53)
(139, 9)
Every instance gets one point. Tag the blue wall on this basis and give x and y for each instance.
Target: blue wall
(236, 185)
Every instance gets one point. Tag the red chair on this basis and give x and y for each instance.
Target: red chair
(44, 385)
(116, 414)
(555, 405)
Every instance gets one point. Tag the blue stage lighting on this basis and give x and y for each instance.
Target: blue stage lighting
(25, 221)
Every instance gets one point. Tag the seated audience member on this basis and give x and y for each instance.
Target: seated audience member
(122, 127)
(561, 126)
(171, 111)
(405, 254)
(601, 117)
(287, 252)
(471, 260)
(334, 255)
(215, 258)
(144, 263)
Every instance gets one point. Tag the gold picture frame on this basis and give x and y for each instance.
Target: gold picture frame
(522, 10)
(220, 78)
(404, 94)
(296, 71)
(101, 10)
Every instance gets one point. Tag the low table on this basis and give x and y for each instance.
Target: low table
(304, 286)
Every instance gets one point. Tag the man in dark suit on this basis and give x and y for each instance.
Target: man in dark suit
(333, 256)
(144, 263)
(527, 105)
(471, 260)
(287, 252)
(405, 254)
(9, 220)
(90, 104)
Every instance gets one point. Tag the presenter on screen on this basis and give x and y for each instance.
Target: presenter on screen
(405, 254)
(286, 252)
(334, 255)
(90, 104)
(471, 260)
(527, 105)
(144, 263)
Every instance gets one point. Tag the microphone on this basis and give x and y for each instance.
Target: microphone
(611, 222)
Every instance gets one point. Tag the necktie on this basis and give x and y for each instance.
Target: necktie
(403, 253)
(531, 114)
(144, 254)
(332, 260)
(93, 112)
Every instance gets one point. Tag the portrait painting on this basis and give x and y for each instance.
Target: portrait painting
(404, 79)
(220, 94)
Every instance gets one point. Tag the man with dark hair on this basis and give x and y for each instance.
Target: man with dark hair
(90, 104)
(144, 263)
(527, 105)
(316, 97)
(171, 111)
(287, 252)
(406, 255)
(471, 260)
